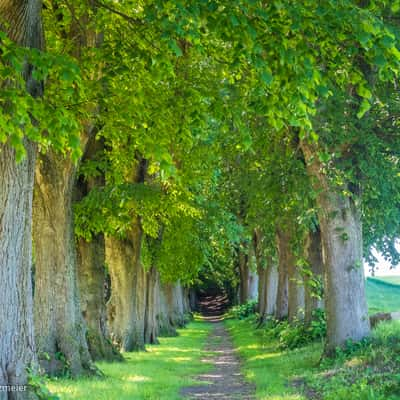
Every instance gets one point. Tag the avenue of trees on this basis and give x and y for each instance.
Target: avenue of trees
(146, 143)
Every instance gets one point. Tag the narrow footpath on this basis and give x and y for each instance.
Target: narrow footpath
(224, 381)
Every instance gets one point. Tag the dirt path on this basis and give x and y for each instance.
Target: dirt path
(224, 381)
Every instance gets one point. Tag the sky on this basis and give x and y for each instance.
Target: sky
(382, 267)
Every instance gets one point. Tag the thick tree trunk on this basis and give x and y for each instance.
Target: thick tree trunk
(192, 299)
(253, 277)
(151, 331)
(17, 344)
(288, 261)
(187, 309)
(262, 291)
(127, 305)
(341, 233)
(172, 308)
(261, 272)
(165, 317)
(313, 278)
(92, 274)
(281, 311)
(60, 328)
(177, 308)
(244, 272)
(296, 293)
(267, 290)
(92, 281)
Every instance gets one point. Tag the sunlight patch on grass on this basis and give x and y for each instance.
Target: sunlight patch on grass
(264, 356)
(138, 378)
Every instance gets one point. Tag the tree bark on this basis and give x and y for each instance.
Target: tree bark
(172, 309)
(17, 344)
(314, 276)
(267, 280)
(92, 274)
(253, 276)
(187, 309)
(152, 327)
(126, 308)
(295, 288)
(341, 233)
(267, 290)
(244, 276)
(165, 317)
(281, 311)
(60, 328)
(92, 281)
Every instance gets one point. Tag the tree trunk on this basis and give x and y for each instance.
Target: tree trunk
(253, 281)
(127, 305)
(341, 233)
(281, 311)
(266, 302)
(177, 308)
(192, 299)
(92, 274)
(295, 288)
(165, 317)
(17, 344)
(244, 277)
(262, 291)
(151, 331)
(60, 328)
(92, 280)
(313, 278)
(172, 310)
(261, 272)
(187, 309)
(267, 290)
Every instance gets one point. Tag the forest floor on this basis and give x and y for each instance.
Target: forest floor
(224, 381)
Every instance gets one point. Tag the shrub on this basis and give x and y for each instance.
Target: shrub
(297, 334)
(243, 311)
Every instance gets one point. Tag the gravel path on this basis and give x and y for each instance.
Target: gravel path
(225, 381)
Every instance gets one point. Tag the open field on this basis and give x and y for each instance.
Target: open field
(383, 294)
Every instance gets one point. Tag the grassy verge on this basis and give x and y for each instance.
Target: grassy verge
(367, 371)
(383, 294)
(157, 374)
(267, 366)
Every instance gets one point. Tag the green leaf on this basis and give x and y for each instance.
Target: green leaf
(364, 92)
(176, 49)
(267, 77)
(324, 157)
(380, 60)
(365, 106)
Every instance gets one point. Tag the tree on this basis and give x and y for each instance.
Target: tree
(17, 344)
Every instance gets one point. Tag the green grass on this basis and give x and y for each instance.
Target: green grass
(383, 294)
(366, 371)
(266, 366)
(395, 280)
(157, 374)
